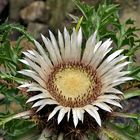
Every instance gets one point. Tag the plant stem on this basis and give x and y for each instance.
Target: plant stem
(25, 115)
(126, 115)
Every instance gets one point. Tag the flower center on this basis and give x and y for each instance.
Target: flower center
(73, 82)
(74, 85)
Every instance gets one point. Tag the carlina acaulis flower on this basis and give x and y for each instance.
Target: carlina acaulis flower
(73, 81)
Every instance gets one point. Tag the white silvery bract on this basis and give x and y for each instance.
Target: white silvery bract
(74, 80)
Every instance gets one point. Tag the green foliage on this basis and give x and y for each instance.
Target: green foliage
(135, 72)
(9, 64)
(130, 94)
(19, 129)
(98, 18)
(12, 95)
(10, 55)
(9, 80)
(122, 132)
(105, 19)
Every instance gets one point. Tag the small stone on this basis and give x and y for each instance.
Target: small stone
(33, 12)
(15, 7)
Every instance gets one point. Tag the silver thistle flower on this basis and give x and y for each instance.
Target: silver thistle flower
(74, 80)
